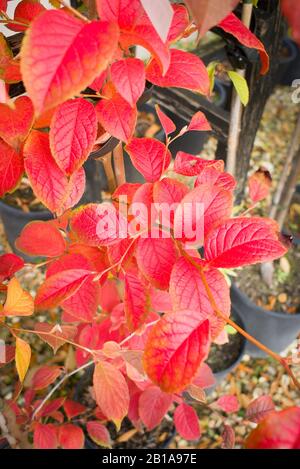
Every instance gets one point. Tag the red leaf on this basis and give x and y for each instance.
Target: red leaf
(279, 430)
(233, 25)
(201, 210)
(243, 241)
(55, 62)
(167, 123)
(260, 184)
(187, 422)
(291, 10)
(149, 156)
(83, 304)
(135, 26)
(228, 403)
(16, 121)
(176, 346)
(228, 437)
(205, 377)
(58, 335)
(169, 191)
(98, 433)
(75, 191)
(179, 23)
(45, 376)
(99, 224)
(153, 405)
(25, 12)
(70, 436)
(45, 436)
(73, 408)
(188, 292)
(190, 165)
(259, 409)
(111, 391)
(156, 257)
(199, 122)
(11, 168)
(128, 77)
(185, 71)
(211, 175)
(73, 133)
(117, 116)
(40, 238)
(50, 407)
(60, 287)
(9, 264)
(136, 302)
(208, 14)
(47, 180)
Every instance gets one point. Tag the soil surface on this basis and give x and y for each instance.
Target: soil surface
(223, 356)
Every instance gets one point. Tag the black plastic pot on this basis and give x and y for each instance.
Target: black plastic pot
(288, 64)
(276, 330)
(14, 220)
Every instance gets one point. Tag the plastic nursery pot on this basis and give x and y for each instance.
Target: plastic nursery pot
(288, 62)
(222, 374)
(139, 441)
(276, 330)
(14, 220)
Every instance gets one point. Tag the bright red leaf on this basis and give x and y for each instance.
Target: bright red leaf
(187, 422)
(175, 348)
(16, 121)
(75, 191)
(228, 437)
(188, 292)
(55, 335)
(243, 241)
(70, 436)
(186, 70)
(111, 391)
(291, 10)
(167, 123)
(279, 430)
(128, 77)
(11, 168)
(60, 287)
(55, 62)
(45, 436)
(211, 175)
(233, 25)
(73, 133)
(25, 12)
(258, 409)
(160, 14)
(136, 301)
(156, 257)
(45, 376)
(190, 165)
(199, 122)
(40, 238)
(179, 23)
(149, 156)
(117, 116)
(73, 408)
(153, 405)
(9, 265)
(204, 377)
(47, 180)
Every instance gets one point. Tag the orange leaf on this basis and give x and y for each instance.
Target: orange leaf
(18, 301)
(111, 391)
(16, 121)
(70, 436)
(11, 168)
(40, 238)
(44, 376)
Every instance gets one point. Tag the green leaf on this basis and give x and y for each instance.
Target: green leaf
(211, 68)
(240, 85)
(230, 330)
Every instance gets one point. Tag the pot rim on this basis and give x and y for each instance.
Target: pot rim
(252, 305)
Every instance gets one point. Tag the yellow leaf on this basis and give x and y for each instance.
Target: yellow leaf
(22, 356)
(18, 301)
(240, 85)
